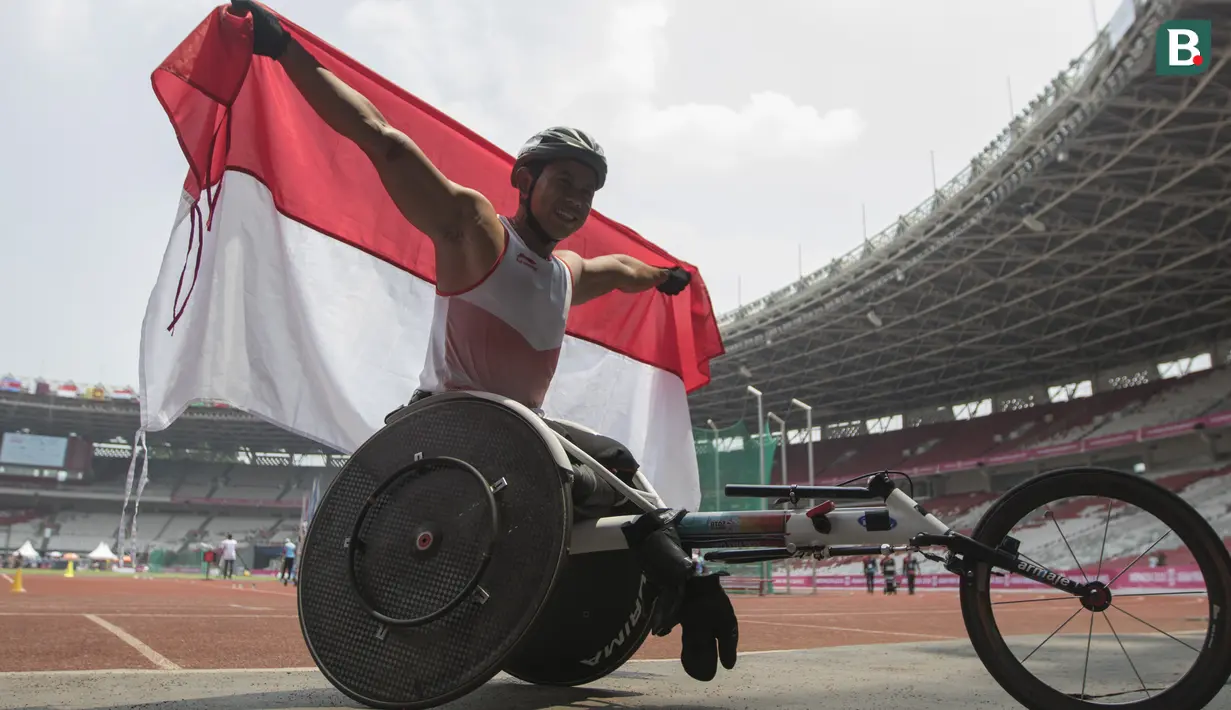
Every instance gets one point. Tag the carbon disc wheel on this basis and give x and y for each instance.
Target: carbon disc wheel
(1124, 594)
(432, 553)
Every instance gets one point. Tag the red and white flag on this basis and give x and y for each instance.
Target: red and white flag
(298, 292)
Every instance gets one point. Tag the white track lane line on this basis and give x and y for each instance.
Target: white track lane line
(154, 656)
(843, 628)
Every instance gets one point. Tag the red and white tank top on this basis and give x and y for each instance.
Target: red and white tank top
(502, 335)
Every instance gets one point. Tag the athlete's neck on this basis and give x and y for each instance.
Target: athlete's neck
(535, 241)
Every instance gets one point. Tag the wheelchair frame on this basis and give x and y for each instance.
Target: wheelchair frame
(891, 522)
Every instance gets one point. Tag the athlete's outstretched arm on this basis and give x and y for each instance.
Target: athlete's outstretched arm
(615, 272)
(435, 205)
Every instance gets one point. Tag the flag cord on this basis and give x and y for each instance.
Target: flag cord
(198, 226)
(139, 447)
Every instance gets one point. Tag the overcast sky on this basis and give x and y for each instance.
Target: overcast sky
(738, 133)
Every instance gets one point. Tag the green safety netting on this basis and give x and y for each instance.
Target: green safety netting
(732, 455)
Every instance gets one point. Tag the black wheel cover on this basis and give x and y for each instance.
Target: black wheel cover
(445, 657)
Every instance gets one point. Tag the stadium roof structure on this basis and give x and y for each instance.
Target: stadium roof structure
(1091, 233)
(222, 429)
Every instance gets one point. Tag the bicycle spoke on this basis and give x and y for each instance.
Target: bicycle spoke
(1160, 594)
(1044, 599)
(1125, 650)
(1152, 626)
(1086, 669)
(1066, 623)
(1103, 550)
(1130, 565)
(1066, 542)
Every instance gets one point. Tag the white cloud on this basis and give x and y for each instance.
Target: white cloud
(58, 30)
(595, 66)
(769, 127)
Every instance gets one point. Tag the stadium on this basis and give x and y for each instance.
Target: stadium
(1062, 302)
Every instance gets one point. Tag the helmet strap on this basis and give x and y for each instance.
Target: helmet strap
(531, 221)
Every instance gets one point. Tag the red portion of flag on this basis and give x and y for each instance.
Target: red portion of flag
(235, 111)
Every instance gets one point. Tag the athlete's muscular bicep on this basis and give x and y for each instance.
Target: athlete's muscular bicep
(440, 208)
(436, 206)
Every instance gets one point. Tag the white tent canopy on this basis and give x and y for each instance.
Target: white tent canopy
(27, 551)
(102, 552)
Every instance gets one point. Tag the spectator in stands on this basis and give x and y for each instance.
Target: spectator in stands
(910, 566)
(869, 572)
(228, 557)
(288, 561)
(889, 568)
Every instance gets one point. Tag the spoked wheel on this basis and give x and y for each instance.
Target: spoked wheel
(1147, 637)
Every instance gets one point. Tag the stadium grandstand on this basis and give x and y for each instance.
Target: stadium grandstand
(1062, 300)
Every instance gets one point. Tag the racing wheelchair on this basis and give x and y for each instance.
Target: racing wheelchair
(450, 548)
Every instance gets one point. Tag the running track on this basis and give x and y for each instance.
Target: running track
(94, 622)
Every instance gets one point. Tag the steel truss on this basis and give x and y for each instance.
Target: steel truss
(1109, 246)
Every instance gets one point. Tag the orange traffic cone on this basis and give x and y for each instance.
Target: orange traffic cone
(17, 588)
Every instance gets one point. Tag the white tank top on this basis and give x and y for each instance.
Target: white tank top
(502, 335)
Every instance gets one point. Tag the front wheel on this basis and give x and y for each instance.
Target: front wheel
(1162, 625)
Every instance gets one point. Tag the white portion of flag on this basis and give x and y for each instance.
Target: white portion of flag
(324, 340)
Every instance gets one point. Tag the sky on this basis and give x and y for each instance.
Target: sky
(749, 140)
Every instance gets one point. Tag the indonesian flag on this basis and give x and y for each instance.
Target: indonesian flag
(296, 291)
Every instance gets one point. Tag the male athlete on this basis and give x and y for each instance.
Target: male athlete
(503, 293)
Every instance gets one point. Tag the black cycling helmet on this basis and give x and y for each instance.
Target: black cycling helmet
(562, 143)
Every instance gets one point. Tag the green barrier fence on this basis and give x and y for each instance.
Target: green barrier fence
(731, 455)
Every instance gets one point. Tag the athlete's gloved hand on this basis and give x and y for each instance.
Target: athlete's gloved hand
(269, 39)
(699, 604)
(710, 629)
(678, 279)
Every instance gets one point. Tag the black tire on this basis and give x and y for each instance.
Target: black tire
(1207, 676)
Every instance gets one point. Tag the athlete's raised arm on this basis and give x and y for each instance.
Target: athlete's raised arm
(438, 207)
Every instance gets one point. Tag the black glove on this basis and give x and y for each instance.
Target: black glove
(677, 280)
(269, 39)
(710, 629)
(698, 604)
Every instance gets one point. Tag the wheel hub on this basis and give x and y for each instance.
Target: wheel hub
(426, 540)
(1098, 598)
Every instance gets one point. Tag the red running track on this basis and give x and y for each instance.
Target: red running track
(88, 623)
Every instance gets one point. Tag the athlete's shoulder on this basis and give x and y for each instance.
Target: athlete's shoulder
(575, 263)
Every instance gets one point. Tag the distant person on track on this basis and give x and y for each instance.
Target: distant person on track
(228, 557)
(889, 567)
(869, 573)
(910, 566)
(288, 561)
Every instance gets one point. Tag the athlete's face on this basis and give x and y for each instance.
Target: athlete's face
(563, 196)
